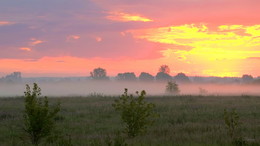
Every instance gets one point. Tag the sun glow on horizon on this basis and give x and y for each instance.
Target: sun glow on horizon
(218, 51)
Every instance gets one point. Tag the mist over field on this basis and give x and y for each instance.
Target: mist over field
(86, 88)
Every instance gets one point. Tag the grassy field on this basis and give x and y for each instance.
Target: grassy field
(184, 120)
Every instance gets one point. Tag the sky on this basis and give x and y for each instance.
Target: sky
(72, 37)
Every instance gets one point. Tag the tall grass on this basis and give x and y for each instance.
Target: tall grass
(184, 120)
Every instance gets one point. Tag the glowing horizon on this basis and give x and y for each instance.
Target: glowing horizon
(71, 38)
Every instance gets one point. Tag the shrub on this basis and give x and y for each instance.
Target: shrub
(38, 115)
(172, 88)
(232, 125)
(136, 113)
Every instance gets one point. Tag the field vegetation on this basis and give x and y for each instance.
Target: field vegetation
(183, 120)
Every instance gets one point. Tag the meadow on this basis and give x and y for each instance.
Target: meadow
(184, 120)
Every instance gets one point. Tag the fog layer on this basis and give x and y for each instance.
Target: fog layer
(86, 88)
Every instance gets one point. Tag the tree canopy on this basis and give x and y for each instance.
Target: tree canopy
(164, 69)
(127, 76)
(161, 76)
(181, 78)
(247, 78)
(146, 77)
(99, 74)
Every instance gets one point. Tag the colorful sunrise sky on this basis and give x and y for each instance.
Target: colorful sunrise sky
(72, 37)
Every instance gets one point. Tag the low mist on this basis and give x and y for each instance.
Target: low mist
(86, 88)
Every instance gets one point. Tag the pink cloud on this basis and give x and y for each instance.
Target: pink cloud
(25, 49)
(73, 37)
(187, 11)
(98, 39)
(2, 23)
(125, 17)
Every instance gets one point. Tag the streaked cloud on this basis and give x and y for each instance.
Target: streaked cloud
(2, 23)
(124, 17)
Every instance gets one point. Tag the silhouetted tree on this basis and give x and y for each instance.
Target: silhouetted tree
(172, 88)
(99, 74)
(13, 77)
(202, 91)
(164, 69)
(247, 78)
(161, 76)
(127, 76)
(146, 77)
(181, 78)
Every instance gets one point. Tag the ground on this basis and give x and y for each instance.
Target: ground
(184, 120)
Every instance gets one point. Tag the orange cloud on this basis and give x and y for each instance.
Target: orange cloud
(35, 42)
(124, 17)
(26, 49)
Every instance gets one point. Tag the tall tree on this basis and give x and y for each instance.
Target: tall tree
(163, 74)
(99, 74)
(13, 77)
(164, 69)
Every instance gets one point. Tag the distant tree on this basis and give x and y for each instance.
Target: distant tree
(181, 78)
(202, 91)
(198, 79)
(247, 78)
(164, 69)
(161, 76)
(146, 77)
(99, 74)
(172, 88)
(127, 76)
(13, 77)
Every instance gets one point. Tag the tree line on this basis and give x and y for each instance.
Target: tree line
(162, 75)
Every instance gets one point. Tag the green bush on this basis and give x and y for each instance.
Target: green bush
(136, 113)
(38, 115)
